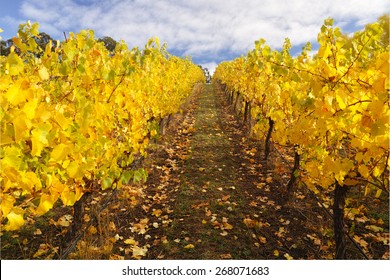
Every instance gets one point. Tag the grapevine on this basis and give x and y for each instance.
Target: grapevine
(75, 116)
(331, 108)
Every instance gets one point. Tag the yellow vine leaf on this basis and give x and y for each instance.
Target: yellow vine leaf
(15, 221)
(30, 108)
(73, 169)
(39, 138)
(15, 95)
(43, 73)
(7, 203)
(20, 127)
(46, 203)
(60, 152)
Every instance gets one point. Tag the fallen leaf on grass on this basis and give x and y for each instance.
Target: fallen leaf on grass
(360, 241)
(43, 249)
(262, 239)
(64, 221)
(116, 257)
(315, 239)
(139, 252)
(374, 228)
(227, 226)
(225, 256)
(189, 246)
(92, 230)
(200, 205)
(386, 256)
(249, 222)
(224, 233)
(164, 240)
(111, 226)
(129, 241)
(117, 237)
(280, 233)
(253, 204)
(157, 213)
(140, 227)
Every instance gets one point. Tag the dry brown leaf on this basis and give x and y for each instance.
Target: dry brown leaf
(139, 252)
(65, 220)
(116, 257)
(225, 256)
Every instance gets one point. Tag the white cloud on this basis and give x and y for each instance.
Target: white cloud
(205, 29)
(210, 66)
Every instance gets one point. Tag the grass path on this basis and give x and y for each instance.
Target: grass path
(216, 191)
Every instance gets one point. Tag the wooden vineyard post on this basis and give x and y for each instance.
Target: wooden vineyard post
(268, 138)
(340, 194)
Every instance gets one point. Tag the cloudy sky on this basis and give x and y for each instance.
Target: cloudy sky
(210, 31)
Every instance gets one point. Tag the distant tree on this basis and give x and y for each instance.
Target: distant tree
(109, 43)
(43, 39)
(206, 74)
(5, 47)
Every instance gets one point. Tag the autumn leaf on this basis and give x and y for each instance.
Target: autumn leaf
(157, 213)
(250, 223)
(92, 230)
(129, 241)
(43, 249)
(118, 237)
(111, 226)
(189, 246)
(141, 227)
(116, 257)
(224, 233)
(64, 221)
(262, 239)
(314, 238)
(225, 256)
(43, 73)
(227, 226)
(15, 221)
(374, 228)
(139, 252)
